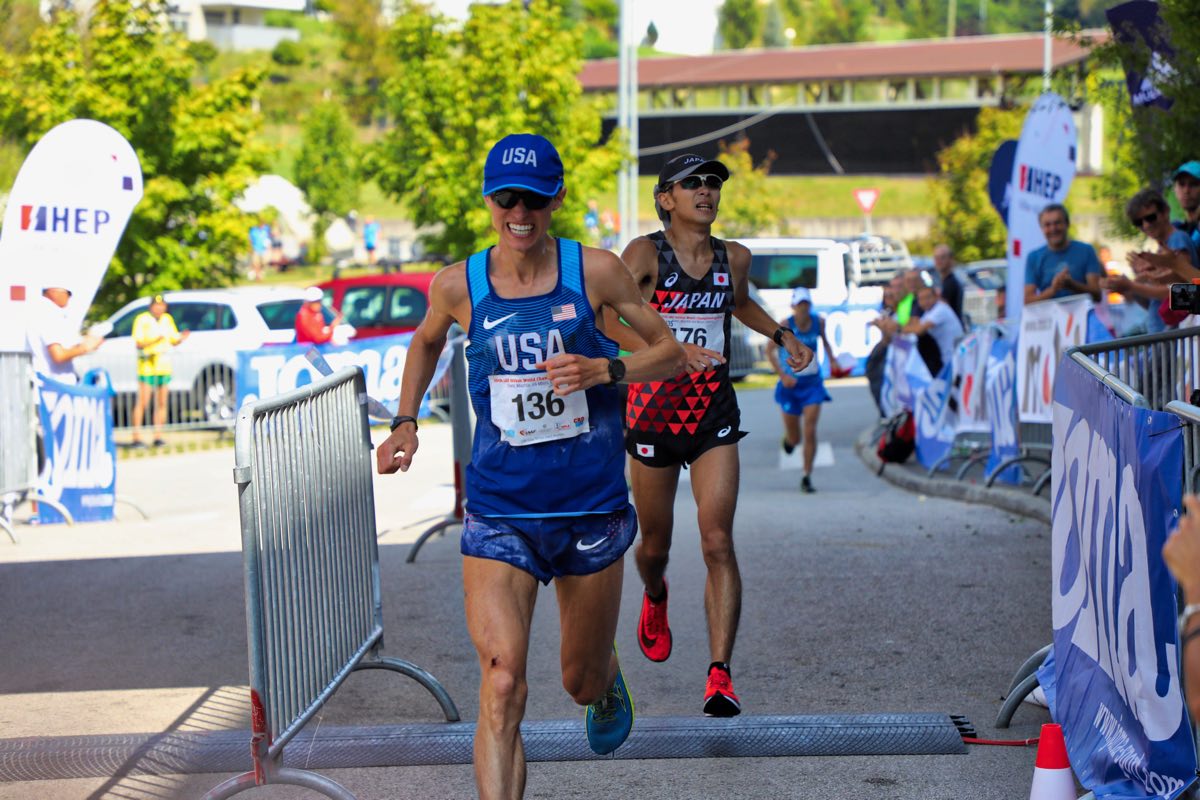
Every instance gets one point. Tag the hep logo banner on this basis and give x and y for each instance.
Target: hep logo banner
(64, 219)
(1041, 182)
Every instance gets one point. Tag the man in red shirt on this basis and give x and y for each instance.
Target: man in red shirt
(311, 327)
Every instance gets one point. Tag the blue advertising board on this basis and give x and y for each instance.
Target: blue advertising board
(1114, 681)
(81, 456)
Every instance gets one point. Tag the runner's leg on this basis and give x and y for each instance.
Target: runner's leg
(588, 606)
(139, 409)
(499, 605)
(654, 497)
(715, 476)
(811, 415)
(791, 429)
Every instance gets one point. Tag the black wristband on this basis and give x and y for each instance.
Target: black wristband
(778, 335)
(398, 421)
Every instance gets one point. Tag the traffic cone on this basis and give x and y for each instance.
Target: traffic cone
(1052, 776)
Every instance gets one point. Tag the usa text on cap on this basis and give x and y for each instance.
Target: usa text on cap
(523, 161)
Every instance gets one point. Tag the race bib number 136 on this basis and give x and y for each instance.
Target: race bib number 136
(526, 410)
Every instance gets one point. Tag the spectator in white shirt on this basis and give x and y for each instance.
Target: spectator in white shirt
(52, 340)
(938, 320)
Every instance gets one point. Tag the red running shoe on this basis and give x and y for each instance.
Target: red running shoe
(719, 699)
(654, 634)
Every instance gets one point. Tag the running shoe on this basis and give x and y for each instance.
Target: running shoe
(719, 699)
(806, 485)
(788, 449)
(654, 634)
(609, 720)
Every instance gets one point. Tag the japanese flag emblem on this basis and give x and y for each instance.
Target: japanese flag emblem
(721, 279)
(645, 450)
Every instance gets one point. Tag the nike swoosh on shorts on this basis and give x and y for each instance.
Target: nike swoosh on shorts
(585, 547)
(488, 324)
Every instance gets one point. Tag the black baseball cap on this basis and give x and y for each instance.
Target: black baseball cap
(689, 164)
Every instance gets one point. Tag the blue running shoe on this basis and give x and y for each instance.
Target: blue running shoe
(609, 720)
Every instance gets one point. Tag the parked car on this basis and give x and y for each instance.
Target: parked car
(222, 322)
(983, 284)
(382, 303)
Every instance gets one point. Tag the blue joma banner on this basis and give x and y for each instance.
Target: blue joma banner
(276, 369)
(1115, 682)
(81, 456)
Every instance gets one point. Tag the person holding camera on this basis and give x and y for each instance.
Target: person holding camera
(1148, 213)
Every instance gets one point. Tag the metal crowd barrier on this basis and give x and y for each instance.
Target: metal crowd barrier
(461, 427)
(314, 611)
(18, 440)
(1035, 440)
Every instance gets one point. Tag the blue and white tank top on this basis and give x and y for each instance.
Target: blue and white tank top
(536, 454)
(810, 338)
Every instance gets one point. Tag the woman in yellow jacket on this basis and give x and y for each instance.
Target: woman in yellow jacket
(155, 334)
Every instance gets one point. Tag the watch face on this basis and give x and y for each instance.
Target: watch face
(616, 370)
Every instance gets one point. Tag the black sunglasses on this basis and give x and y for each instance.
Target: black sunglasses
(1152, 217)
(507, 198)
(694, 182)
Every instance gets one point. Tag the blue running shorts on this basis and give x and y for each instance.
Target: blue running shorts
(792, 401)
(551, 547)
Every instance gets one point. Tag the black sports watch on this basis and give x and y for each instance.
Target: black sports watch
(616, 371)
(398, 421)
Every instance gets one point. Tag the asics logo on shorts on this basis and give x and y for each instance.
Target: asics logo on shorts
(724, 431)
(670, 280)
(592, 545)
(488, 324)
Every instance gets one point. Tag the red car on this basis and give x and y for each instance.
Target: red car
(383, 304)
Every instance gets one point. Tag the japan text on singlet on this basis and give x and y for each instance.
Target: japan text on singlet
(698, 310)
(537, 454)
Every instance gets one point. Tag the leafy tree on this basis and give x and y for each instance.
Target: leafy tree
(459, 90)
(325, 169)
(773, 25)
(18, 20)
(124, 67)
(749, 207)
(836, 21)
(367, 59)
(926, 19)
(964, 216)
(738, 23)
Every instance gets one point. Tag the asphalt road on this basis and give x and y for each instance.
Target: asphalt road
(862, 598)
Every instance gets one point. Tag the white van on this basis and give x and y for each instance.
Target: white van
(826, 267)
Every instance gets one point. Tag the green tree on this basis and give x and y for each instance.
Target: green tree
(366, 58)
(738, 23)
(964, 216)
(773, 26)
(835, 21)
(125, 68)
(325, 170)
(925, 19)
(507, 70)
(18, 20)
(749, 207)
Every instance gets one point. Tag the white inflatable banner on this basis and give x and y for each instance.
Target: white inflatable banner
(66, 212)
(1048, 330)
(1043, 169)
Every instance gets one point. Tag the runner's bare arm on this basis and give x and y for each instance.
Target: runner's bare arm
(448, 303)
(641, 259)
(610, 284)
(752, 314)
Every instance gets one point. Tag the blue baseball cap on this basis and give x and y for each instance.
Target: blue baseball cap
(523, 161)
(1190, 168)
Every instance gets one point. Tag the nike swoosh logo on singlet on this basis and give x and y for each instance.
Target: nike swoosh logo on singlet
(488, 324)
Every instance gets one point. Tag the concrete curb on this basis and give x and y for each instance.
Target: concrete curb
(915, 479)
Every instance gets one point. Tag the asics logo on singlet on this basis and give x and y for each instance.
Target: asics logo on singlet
(488, 324)
(721, 434)
(591, 545)
(670, 281)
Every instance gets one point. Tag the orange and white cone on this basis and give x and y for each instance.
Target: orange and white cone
(1052, 776)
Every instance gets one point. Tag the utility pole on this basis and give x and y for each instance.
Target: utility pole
(627, 120)
(950, 19)
(1048, 23)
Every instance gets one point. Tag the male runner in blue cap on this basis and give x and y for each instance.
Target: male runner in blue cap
(546, 494)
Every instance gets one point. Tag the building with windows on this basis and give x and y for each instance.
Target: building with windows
(849, 108)
(233, 24)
